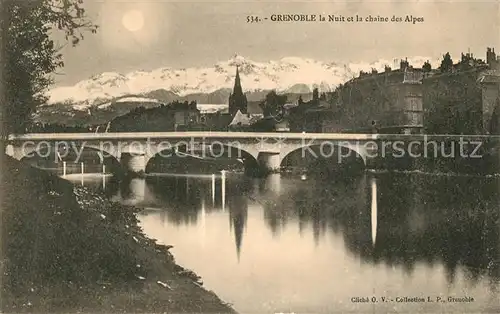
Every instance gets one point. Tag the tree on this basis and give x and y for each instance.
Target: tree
(427, 67)
(29, 54)
(315, 94)
(447, 63)
(274, 104)
(316, 97)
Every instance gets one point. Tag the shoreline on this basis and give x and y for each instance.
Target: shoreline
(433, 173)
(86, 254)
(160, 277)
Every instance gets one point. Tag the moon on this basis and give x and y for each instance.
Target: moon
(133, 20)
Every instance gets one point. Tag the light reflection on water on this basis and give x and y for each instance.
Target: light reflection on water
(374, 210)
(283, 244)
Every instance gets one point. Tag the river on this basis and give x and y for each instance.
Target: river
(287, 243)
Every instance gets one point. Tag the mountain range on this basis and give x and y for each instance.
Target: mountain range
(98, 98)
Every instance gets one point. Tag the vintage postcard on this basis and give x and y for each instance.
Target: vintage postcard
(250, 157)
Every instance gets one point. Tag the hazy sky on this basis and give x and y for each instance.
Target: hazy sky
(201, 33)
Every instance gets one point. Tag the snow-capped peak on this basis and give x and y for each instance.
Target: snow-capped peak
(289, 73)
(237, 60)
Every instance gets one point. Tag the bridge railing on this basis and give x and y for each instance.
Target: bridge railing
(241, 135)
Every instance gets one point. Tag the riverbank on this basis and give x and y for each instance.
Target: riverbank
(66, 249)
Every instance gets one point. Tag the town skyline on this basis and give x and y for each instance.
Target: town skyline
(181, 35)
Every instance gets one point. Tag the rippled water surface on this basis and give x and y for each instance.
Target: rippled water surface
(286, 243)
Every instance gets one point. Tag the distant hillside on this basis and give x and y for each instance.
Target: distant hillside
(287, 75)
(99, 114)
(97, 99)
(102, 113)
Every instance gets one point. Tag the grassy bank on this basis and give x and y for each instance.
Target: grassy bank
(66, 249)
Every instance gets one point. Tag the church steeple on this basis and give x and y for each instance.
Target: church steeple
(237, 99)
(237, 83)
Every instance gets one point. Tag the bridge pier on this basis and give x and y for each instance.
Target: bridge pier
(133, 163)
(269, 162)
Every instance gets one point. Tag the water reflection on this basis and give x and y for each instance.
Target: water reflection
(374, 210)
(238, 215)
(401, 223)
(283, 229)
(451, 220)
(133, 192)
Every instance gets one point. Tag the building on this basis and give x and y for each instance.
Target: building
(175, 116)
(465, 99)
(492, 59)
(186, 115)
(317, 119)
(308, 116)
(489, 82)
(241, 121)
(270, 124)
(237, 99)
(254, 109)
(391, 100)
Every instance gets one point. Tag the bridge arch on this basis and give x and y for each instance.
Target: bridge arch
(343, 153)
(245, 155)
(59, 153)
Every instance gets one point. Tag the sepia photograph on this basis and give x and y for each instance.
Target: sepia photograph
(250, 157)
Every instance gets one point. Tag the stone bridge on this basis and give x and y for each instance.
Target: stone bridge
(264, 151)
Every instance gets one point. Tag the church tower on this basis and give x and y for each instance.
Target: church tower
(237, 99)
